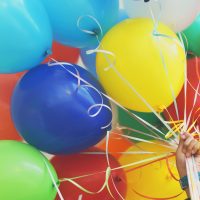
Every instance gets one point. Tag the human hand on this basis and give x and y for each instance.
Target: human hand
(188, 146)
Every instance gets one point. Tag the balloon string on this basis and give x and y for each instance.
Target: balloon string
(170, 171)
(128, 153)
(193, 88)
(54, 181)
(151, 161)
(107, 176)
(148, 197)
(87, 85)
(108, 162)
(143, 140)
(186, 40)
(185, 90)
(153, 198)
(145, 134)
(94, 32)
(193, 178)
(176, 128)
(157, 39)
(173, 122)
(197, 67)
(155, 33)
(194, 102)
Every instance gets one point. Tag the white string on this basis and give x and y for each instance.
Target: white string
(87, 85)
(54, 182)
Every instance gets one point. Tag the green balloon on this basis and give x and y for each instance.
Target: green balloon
(127, 121)
(191, 37)
(24, 174)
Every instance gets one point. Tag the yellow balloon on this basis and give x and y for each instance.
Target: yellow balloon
(153, 180)
(141, 60)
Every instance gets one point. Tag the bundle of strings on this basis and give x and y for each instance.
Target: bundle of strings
(193, 178)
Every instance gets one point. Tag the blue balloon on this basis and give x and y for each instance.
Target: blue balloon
(25, 35)
(89, 60)
(56, 113)
(65, 14)
(122, 15)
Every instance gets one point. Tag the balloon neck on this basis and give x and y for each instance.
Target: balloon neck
(57, 183)
(96, 31)
(117, 179)
(161, 109)
(48, 52)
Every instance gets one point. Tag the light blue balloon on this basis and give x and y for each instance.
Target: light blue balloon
(89, 60)
(65, 14)
(25, 35)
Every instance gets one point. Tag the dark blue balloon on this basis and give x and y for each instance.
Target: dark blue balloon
(89, 60)
(50, 109)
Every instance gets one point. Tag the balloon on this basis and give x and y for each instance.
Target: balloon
(122, 15)
(191, 37)
(130, 123)
(69, 19)
(176, 14)
(117, 143)
(143, 62)
(89, 60)
(84, 164)
(63, 53)
(151, 180)
(24, 174)
(56, 113)
(193, 69)
(7, 84)
(25, 35)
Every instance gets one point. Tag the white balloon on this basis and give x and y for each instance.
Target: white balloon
(177, 14)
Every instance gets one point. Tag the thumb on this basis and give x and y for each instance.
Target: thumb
(181, 141)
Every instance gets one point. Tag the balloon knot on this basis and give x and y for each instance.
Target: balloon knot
(48, 52)
(161, 109)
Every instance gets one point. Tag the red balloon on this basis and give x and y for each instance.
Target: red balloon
(193, 69)
(63, 53)
(84, 164)
(7, 84)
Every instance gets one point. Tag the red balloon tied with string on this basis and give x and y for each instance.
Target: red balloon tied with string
(93, 169)
(7, 84)
(193, 80)
(63, 53)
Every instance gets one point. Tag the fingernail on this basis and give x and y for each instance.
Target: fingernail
(183, 136)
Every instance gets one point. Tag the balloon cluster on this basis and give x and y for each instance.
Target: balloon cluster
(135, 58)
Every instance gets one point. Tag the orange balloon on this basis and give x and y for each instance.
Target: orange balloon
(7, 84)
(117, 143)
